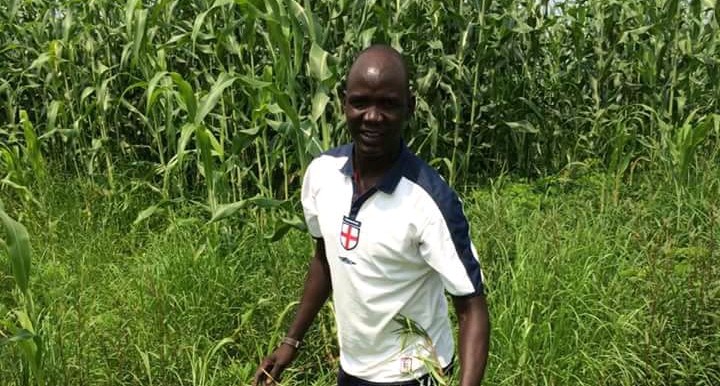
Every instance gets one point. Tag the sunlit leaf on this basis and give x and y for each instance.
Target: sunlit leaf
(17, 241)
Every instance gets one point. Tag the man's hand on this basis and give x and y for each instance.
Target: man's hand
(317, 289)
(272, 367)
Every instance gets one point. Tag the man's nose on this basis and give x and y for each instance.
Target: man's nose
(373, 114)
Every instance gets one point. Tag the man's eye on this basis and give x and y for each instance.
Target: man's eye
(358, 103)
(391, 103)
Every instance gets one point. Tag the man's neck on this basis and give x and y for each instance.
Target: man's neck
(374, 167)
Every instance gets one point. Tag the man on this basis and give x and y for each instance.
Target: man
(391, 237)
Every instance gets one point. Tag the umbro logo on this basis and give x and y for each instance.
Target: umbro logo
(346, 260)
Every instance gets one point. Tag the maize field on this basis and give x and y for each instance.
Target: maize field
(151, 155)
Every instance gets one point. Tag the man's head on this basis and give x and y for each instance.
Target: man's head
(378, 102)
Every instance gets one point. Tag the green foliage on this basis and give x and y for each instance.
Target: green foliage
(512, 85)
(154, 148)
(410, 331)
(17, 242)
(582, 289)
(19, 323)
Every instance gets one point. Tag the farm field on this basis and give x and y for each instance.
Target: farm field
(584, 288)
(151, 153)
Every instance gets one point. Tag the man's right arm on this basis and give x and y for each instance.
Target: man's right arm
(317, 290)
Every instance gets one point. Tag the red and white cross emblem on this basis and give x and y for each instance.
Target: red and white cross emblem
(349, 233)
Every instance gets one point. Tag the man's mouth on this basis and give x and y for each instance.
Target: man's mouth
(371, 135)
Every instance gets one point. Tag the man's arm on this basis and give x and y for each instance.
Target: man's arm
(472, 313)
(317, 289)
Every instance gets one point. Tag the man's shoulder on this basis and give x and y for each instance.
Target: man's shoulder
(341, 151)
(437, 193)
(429, 179)
(332, 159)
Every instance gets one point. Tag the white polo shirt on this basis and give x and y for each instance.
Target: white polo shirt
(393, 251)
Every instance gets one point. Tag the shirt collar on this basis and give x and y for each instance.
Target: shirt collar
(391, 178)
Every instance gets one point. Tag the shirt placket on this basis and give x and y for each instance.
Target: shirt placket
(357, 202)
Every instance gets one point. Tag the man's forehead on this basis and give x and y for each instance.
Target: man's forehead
(373, 71)
(378, 63)
(377, 59)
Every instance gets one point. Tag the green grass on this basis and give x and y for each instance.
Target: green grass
(585, 287)
(125, 126)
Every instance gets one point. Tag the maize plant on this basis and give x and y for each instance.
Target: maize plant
(230, 99)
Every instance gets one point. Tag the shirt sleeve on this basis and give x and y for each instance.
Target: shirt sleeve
(446, 246)
(307, 197)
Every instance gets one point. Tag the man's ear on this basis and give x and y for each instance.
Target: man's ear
(342, 90)
(342, 93)
(411, 104)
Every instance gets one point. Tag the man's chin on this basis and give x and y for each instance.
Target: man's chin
(370, 151)
(376, 153)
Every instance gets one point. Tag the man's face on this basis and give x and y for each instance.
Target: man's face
(377, 104)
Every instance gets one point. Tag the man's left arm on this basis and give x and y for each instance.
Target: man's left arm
(474, 339)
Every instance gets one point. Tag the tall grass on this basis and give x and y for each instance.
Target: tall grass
(233, 98)
(141, 141)
(582, 289)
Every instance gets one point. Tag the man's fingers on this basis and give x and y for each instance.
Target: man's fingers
(259, 377)
(262, 372)
(257, 380)
(274, 375)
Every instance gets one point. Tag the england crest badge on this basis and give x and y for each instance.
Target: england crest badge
(349, 233)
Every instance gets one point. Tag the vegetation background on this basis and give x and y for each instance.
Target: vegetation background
(151, 153)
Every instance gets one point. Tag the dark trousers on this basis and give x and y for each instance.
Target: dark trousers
(345, 379)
